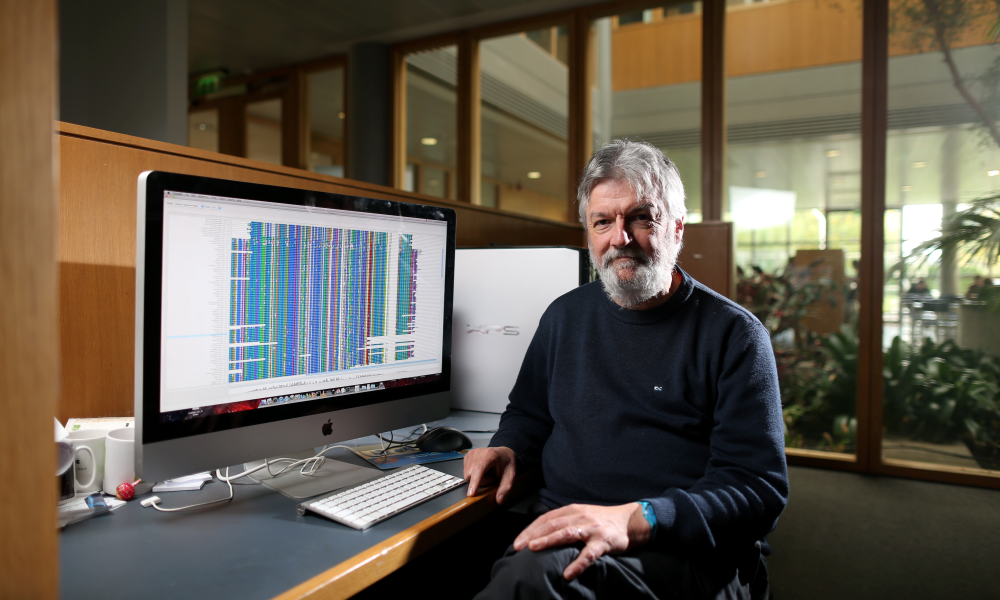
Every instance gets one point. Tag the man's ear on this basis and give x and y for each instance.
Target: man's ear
(679, 229)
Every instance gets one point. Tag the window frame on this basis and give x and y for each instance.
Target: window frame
(874, 118)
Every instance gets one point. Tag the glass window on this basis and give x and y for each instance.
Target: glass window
(630, 18)
(941, 325)
(643, 90)
(203, 130)
(263, 120)
(410, 178)
(326, 122)
(434, 181)
(524, 88)
(431, 116)
(682, 9)
(489, 193)
(793, 192)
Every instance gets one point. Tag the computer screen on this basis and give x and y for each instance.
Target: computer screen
(264, 305)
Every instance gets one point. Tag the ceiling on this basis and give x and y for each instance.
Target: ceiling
(248, 36)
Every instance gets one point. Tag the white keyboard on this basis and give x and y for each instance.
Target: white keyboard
(375, 501)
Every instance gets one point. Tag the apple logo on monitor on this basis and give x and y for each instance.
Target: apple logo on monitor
(327, 428)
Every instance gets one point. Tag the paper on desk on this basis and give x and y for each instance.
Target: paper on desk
(184, 484)
(85, 507)
(206, 476)
(102, 423)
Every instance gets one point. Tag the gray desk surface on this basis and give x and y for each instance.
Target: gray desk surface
(255, 546)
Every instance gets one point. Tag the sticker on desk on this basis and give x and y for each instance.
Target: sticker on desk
(393, 458)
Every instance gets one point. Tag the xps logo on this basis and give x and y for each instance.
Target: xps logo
(485, 329)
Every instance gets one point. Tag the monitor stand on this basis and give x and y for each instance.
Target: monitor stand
(334, 474)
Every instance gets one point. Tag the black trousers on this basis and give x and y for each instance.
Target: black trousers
(528, 575)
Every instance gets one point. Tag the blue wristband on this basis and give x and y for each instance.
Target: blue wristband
(647, 511)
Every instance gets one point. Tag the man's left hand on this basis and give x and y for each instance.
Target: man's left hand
(603, 530)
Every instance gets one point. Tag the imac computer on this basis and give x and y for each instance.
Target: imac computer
(270, 320)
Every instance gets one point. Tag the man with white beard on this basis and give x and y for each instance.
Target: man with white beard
(652, 404)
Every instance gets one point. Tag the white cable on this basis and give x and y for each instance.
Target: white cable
(316, 463)
(317, 460)
(218, 472)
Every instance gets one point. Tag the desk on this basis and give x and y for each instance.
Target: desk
(255, 546)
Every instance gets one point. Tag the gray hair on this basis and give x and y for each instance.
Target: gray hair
(652, 176)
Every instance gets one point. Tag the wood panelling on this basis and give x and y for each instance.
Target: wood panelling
(826, 315)
(903, 41)
(29, 356)
(97, 247)
(792, 35)
(529, 202)
(761, 38)
(709, 255)
(659, 53)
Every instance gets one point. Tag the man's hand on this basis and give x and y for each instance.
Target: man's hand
(603, 530)
(485, 462)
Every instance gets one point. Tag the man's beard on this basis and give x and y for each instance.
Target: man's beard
(651, 275)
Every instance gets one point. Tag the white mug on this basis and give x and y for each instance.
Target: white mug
(85, 465)
(69, 487)
(119, 461)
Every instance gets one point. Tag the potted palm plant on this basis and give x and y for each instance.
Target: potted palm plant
(973, 233)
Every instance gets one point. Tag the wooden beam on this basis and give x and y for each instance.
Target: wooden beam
(581, 134)
(295, 122)
(713, 109)
(874, 127)
(939, 473)
(232, 126)
(29, 354)
(469, 121)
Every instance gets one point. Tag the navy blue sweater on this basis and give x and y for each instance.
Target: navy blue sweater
(678, 405)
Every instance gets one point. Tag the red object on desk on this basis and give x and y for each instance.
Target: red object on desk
(126, 491)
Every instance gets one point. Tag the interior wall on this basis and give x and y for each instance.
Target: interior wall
(845, 535)
(124, 66)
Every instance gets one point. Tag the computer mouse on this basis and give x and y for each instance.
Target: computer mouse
(443, 439)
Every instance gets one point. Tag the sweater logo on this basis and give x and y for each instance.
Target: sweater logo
(657, 388)
(486, 329)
